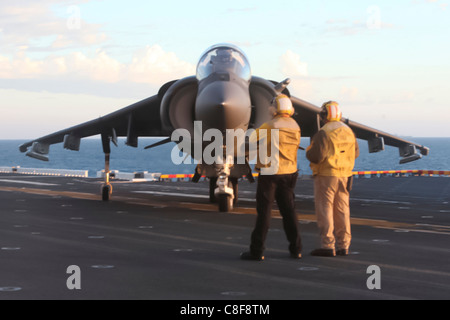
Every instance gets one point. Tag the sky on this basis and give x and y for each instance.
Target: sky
(64, 62)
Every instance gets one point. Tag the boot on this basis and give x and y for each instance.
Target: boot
(323, 252)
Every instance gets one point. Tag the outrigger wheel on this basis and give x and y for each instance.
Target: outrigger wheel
(106, 192)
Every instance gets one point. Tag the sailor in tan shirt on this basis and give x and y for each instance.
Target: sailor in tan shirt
(332, 153)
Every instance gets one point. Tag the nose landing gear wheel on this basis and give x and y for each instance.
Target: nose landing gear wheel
(226, 201)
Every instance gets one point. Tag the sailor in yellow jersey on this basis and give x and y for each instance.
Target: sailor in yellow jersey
(279, 140)
(332, 153)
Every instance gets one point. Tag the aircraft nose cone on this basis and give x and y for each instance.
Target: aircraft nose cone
(217, 94)
(223, 105)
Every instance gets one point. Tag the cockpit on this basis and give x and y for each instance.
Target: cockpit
(223, 59)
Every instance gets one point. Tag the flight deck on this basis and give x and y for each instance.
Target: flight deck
(162, 240)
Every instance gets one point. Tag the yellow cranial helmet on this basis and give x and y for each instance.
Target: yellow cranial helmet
(283, 105)
(331, 111)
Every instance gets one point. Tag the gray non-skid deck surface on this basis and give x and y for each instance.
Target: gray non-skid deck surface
(163, 240)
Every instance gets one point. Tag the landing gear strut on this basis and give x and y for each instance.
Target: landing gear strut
(223, 182)
(226, 189)
(106, 187)
(106, 139)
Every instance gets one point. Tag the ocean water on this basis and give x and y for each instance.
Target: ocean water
(128, 159)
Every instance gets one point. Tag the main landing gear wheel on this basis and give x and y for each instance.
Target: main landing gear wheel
(212, 187)
(106, 192)
(234, 185)
(225, 202)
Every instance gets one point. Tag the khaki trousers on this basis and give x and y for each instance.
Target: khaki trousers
(332, 211)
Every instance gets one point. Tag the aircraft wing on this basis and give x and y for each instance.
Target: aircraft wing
(139, 119)
(307, 115)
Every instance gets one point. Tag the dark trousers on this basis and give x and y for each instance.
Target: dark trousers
(281, 189)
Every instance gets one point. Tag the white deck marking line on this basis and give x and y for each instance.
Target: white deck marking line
(297, 196)
(187, 195)
(28, 182)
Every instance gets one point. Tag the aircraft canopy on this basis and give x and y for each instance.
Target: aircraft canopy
(223, 58)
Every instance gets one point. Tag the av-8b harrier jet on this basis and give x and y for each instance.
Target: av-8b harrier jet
(222, 96)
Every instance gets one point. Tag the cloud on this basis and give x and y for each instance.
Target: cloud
(442, 5)
(48, 42)
(242, 10)
(367, 21)
(34, 25)
(292, 66)
(349, 93)
(150, 65)
(438, 3)
(350, 28)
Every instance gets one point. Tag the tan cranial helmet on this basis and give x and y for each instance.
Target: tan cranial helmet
(281, 104)
(331, 111)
